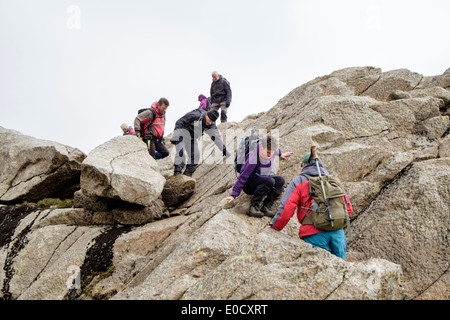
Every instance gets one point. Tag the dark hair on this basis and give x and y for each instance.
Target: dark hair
(270, 143)
(163, 101)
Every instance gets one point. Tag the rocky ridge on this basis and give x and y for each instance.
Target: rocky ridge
(135, 232)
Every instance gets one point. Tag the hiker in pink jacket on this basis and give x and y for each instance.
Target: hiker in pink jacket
(203, 102)
(127, 130)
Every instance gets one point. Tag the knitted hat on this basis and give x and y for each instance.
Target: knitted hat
(213, 115)
(306, 157)
(124, 126)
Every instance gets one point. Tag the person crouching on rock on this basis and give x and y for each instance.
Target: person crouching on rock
(257, 179)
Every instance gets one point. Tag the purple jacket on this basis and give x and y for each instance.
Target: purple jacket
(203, 101)
(251, 168)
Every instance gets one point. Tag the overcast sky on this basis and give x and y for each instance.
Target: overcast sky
(74, 71)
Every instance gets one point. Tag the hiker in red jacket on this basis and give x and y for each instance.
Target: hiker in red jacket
(149, 125)
(297, 195)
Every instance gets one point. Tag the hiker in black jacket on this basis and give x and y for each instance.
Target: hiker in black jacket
(188, 129)
(220, 95)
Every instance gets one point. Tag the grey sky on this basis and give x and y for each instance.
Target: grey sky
(74, 71)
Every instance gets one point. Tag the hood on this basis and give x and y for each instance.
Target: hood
(311, 170)
(201, 97)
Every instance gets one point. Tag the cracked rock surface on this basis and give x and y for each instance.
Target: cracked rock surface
(122, 169)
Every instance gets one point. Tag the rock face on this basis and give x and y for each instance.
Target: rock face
(384, 134)
(32, 169)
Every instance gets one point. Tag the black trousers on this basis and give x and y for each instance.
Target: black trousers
(191, 148)
(260, 187)
(154, 145)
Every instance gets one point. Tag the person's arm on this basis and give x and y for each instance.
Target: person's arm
(228, 91)
(289, 202)
(215, 136)
(142, 118)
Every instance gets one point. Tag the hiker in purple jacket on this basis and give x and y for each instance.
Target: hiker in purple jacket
(256, 178)
(203, 102)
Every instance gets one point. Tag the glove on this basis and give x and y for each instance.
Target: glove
(228, 104)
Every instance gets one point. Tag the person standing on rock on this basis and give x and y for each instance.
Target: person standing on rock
(188, 129)
(220, 95)
(256, 178)
(149, 125)
(296, 197)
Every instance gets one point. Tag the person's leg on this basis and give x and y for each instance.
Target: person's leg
(319, 240)
(338, 243)
(273, 195)
(223, 112)
(214, 106)
(194, 158)
(332, 241)
(162, 149)
(179, 158)
(259, 187)
(150, 143)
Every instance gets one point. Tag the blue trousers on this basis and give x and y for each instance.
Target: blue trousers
(332, 241)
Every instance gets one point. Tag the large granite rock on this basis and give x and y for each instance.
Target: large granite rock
(32, 169)
(121, 168)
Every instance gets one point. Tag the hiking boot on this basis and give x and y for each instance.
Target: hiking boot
(190, 169)
(254, 212)
(188, 173)
(268, 211)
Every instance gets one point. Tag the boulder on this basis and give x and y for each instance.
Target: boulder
(177, 189)
(122, 169)
(390, 81)
(274, 266)
(408, 225)
(32, 169)
(444, 147)
(442, 81)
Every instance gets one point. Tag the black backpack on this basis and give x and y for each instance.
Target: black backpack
(247, 143)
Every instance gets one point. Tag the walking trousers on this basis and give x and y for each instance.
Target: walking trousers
(260, 187)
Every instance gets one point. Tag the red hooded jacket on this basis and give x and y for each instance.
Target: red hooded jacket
(297, 194)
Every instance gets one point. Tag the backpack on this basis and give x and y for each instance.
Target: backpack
(247, 143)
(326, 213)
(147, 126)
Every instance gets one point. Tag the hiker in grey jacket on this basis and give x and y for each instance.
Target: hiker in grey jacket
(220, 95)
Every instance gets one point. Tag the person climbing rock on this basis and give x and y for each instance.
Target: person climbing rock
(149, 125)
(188, 129)
(256, 178)
(298, 197)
